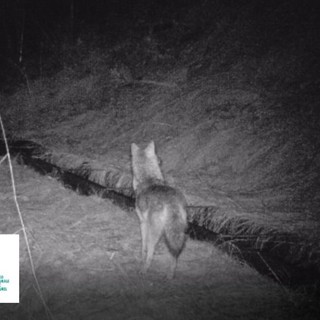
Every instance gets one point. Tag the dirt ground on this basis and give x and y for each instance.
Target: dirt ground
(229, 92)
(86, 253)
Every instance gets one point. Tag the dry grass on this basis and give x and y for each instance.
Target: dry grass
(230, 148)
(232, 108)
(87, 258)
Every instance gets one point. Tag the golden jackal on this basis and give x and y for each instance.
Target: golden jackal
(161, 209)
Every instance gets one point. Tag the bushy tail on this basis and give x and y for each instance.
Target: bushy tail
(175, 229)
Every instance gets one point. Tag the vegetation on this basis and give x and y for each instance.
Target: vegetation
(228, 90)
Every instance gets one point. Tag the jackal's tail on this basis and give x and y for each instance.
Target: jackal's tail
(175, 228)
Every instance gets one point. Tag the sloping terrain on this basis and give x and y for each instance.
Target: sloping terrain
(86, 254)
(229, 91)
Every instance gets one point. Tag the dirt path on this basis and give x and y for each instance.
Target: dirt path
(87, 257)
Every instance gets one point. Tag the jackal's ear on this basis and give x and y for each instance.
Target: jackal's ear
(134, 148)
(150, 149)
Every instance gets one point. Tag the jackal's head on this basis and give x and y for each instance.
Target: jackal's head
(145, 164)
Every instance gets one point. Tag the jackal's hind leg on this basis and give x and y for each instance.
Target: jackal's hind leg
(153, 237)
